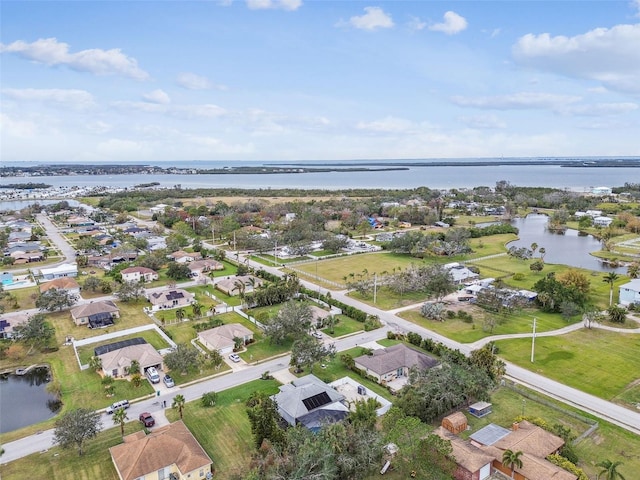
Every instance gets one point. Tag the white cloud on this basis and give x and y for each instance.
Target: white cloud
(416, 24)
(453, 23)
(99, 127)
(191, 81)
(157, 96)
(610, 56)
(120, 149)
(517, 101)
(387, 125)
(69, 98)
(487, 122)
(16, 127)
(99, 62)
(373, 19)
(601, 109)
(289, 5)
(182, 111)
(636, 5)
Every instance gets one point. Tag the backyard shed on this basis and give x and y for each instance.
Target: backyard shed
(480, 409)
(455, 423)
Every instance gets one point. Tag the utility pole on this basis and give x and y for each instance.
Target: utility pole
(533, 339)
(375, 287)
(275, 253)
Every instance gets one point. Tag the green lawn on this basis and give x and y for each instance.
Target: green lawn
(224, 430)
(518, 322)
(335, 369)
(345, 326)
(599, 362)
(386, 299)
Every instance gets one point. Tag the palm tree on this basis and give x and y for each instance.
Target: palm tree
(633, 270)
(196, 308)
(512, 460)
(610, 278)
(119, 418)
(178, 403)
(610, 470)
(95, 363)
(180, 313)
(542, 252)
(134, 367)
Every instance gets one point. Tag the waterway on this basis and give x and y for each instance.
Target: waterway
(579, 179)
(25, 400)
(569, 248)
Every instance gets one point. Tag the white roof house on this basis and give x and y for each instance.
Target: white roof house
(222, 338)
(64, 270)
(602, 221)
(630, 292)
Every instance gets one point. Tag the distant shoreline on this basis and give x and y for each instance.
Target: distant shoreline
(306, 167)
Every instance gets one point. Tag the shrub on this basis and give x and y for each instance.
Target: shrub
(414, 338)
(451, 314)
(391, 335)
(518, 277)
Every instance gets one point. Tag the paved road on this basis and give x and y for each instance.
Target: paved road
(56, 237)
(603, 409)
(44, 440)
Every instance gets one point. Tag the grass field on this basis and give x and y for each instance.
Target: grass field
(224, 430)
(595, 361)
(518, 322)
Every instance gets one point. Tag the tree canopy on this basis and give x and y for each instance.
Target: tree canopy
(75, 427)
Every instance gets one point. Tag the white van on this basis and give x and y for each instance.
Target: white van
(153, 375)
(116, 406)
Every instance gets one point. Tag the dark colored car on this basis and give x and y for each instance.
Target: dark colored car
(147, 420)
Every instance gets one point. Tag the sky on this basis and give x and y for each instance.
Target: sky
(243, 80)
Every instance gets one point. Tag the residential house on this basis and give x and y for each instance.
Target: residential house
(170, 452)
(68, 284)
(594, 213)
(139, 274)
(115, 363)
(602, 191)
(184, 257)
(159, 208)
(79, 221)
(64, 270)
(200, 267)
(602, 221)
(310, 402)
(222, 338)
(630, 292)
(460, 273)
(239, 284)
(472, 463)
(535, 444)
(167, 299)
(95, 314)
(391, 365)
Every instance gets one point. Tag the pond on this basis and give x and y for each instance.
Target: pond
(25, 400)
(569, 248)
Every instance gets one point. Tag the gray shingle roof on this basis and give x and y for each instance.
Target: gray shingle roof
(388, 359)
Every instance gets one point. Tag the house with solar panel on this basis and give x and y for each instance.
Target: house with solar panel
(96, 314)
(116, 357)
(310, 402)
(168, 299)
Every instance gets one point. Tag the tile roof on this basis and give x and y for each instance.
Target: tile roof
(530, 438)
(63, 283)
(93, 308)
(222, 336)
(144, 353)
(386, 360)
(141, 454)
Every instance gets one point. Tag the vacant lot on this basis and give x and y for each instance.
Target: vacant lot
(605, 364)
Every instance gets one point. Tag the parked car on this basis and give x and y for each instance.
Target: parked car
(317, 334)
(168, 381)
(116, 406)
(234, 357)
(147, 420)
(153, 375)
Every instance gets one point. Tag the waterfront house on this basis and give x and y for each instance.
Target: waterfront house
(116, 362)
(630, 292)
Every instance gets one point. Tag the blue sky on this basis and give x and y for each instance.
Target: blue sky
(317, 80)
